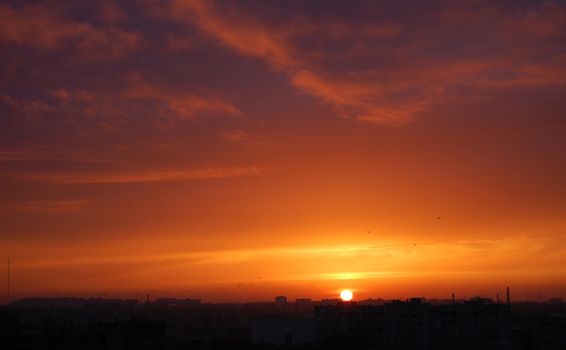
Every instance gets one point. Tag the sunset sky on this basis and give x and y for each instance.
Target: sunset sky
(238, 150)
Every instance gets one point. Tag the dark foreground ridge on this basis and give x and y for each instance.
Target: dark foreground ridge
(478, 323)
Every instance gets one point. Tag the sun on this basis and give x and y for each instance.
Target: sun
(346, 295)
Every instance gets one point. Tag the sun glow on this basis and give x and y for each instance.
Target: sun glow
(346, 295)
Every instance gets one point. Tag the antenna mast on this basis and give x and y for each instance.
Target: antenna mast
(8, 282)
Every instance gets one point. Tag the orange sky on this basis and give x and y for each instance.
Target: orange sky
(240, 150)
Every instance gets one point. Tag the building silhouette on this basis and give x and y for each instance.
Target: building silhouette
(377, 324)
(281, 300)
(476, 324)
(282, 332)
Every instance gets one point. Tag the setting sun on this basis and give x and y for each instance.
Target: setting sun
(346, 295)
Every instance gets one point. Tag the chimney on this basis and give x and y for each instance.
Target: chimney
(508, 300)
(453, 298)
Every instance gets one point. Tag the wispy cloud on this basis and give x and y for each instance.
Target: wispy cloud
(143, 176)
(35, 154)
(181, 105)
(54, 206)
(511, 255)
(135, 100)
(27, 108)
(252, 140)
(409, 74)
(48, 28)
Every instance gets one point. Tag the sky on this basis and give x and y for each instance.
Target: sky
(238, 150)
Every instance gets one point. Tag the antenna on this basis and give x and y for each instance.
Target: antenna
(8, 281)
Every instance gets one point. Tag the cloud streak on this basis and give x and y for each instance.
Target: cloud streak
(136, 101)
(46, 28)
(409, 74)
(182, 105)
(317, 263)
(131, 177)
(54, 206)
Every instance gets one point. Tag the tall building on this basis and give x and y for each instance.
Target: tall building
(281, 300)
